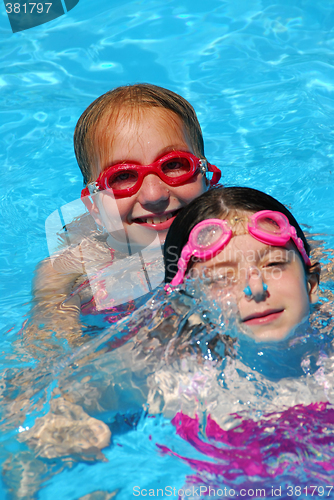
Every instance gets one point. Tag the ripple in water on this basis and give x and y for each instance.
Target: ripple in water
(254, 411)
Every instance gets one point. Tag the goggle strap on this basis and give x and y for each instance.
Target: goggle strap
(178, 278)
(300, 245)
(216, 174)
(85, 198)
(204, 167)
(182, 265)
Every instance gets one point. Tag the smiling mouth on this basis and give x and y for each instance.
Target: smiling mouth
(156, 219)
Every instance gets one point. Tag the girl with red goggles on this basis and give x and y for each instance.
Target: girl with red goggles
(141, 153)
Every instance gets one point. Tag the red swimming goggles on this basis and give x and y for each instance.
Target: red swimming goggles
(175, 169)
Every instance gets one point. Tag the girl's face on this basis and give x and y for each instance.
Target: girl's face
(270, 312)
(144, 139)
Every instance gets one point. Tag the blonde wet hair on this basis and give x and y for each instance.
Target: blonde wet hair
(128, 101)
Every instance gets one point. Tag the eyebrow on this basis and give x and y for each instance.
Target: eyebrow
(270, 248)
(169, 149)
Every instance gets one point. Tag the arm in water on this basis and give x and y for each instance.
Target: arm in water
(53, 309)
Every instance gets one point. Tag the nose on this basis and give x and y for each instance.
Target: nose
(153, 192)
(255, 288)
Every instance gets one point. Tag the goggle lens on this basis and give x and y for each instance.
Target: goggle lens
(177, 167)
(208, 236)
(270, 225)
(122, 179)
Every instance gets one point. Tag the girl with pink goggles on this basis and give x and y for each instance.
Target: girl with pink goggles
(210, 236)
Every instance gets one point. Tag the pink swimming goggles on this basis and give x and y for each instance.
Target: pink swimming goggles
(210, 236)
(175, 169)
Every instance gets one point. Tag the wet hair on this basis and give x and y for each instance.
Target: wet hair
(130, 98)
(218, 203)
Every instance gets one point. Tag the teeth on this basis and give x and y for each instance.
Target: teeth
(158, 220)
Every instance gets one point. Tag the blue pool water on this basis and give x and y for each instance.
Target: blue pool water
(259, 74)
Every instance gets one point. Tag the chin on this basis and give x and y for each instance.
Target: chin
(271, 335)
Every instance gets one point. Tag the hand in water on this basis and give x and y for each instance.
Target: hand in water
(68, 430)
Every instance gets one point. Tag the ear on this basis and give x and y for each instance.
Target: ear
(313, 279)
